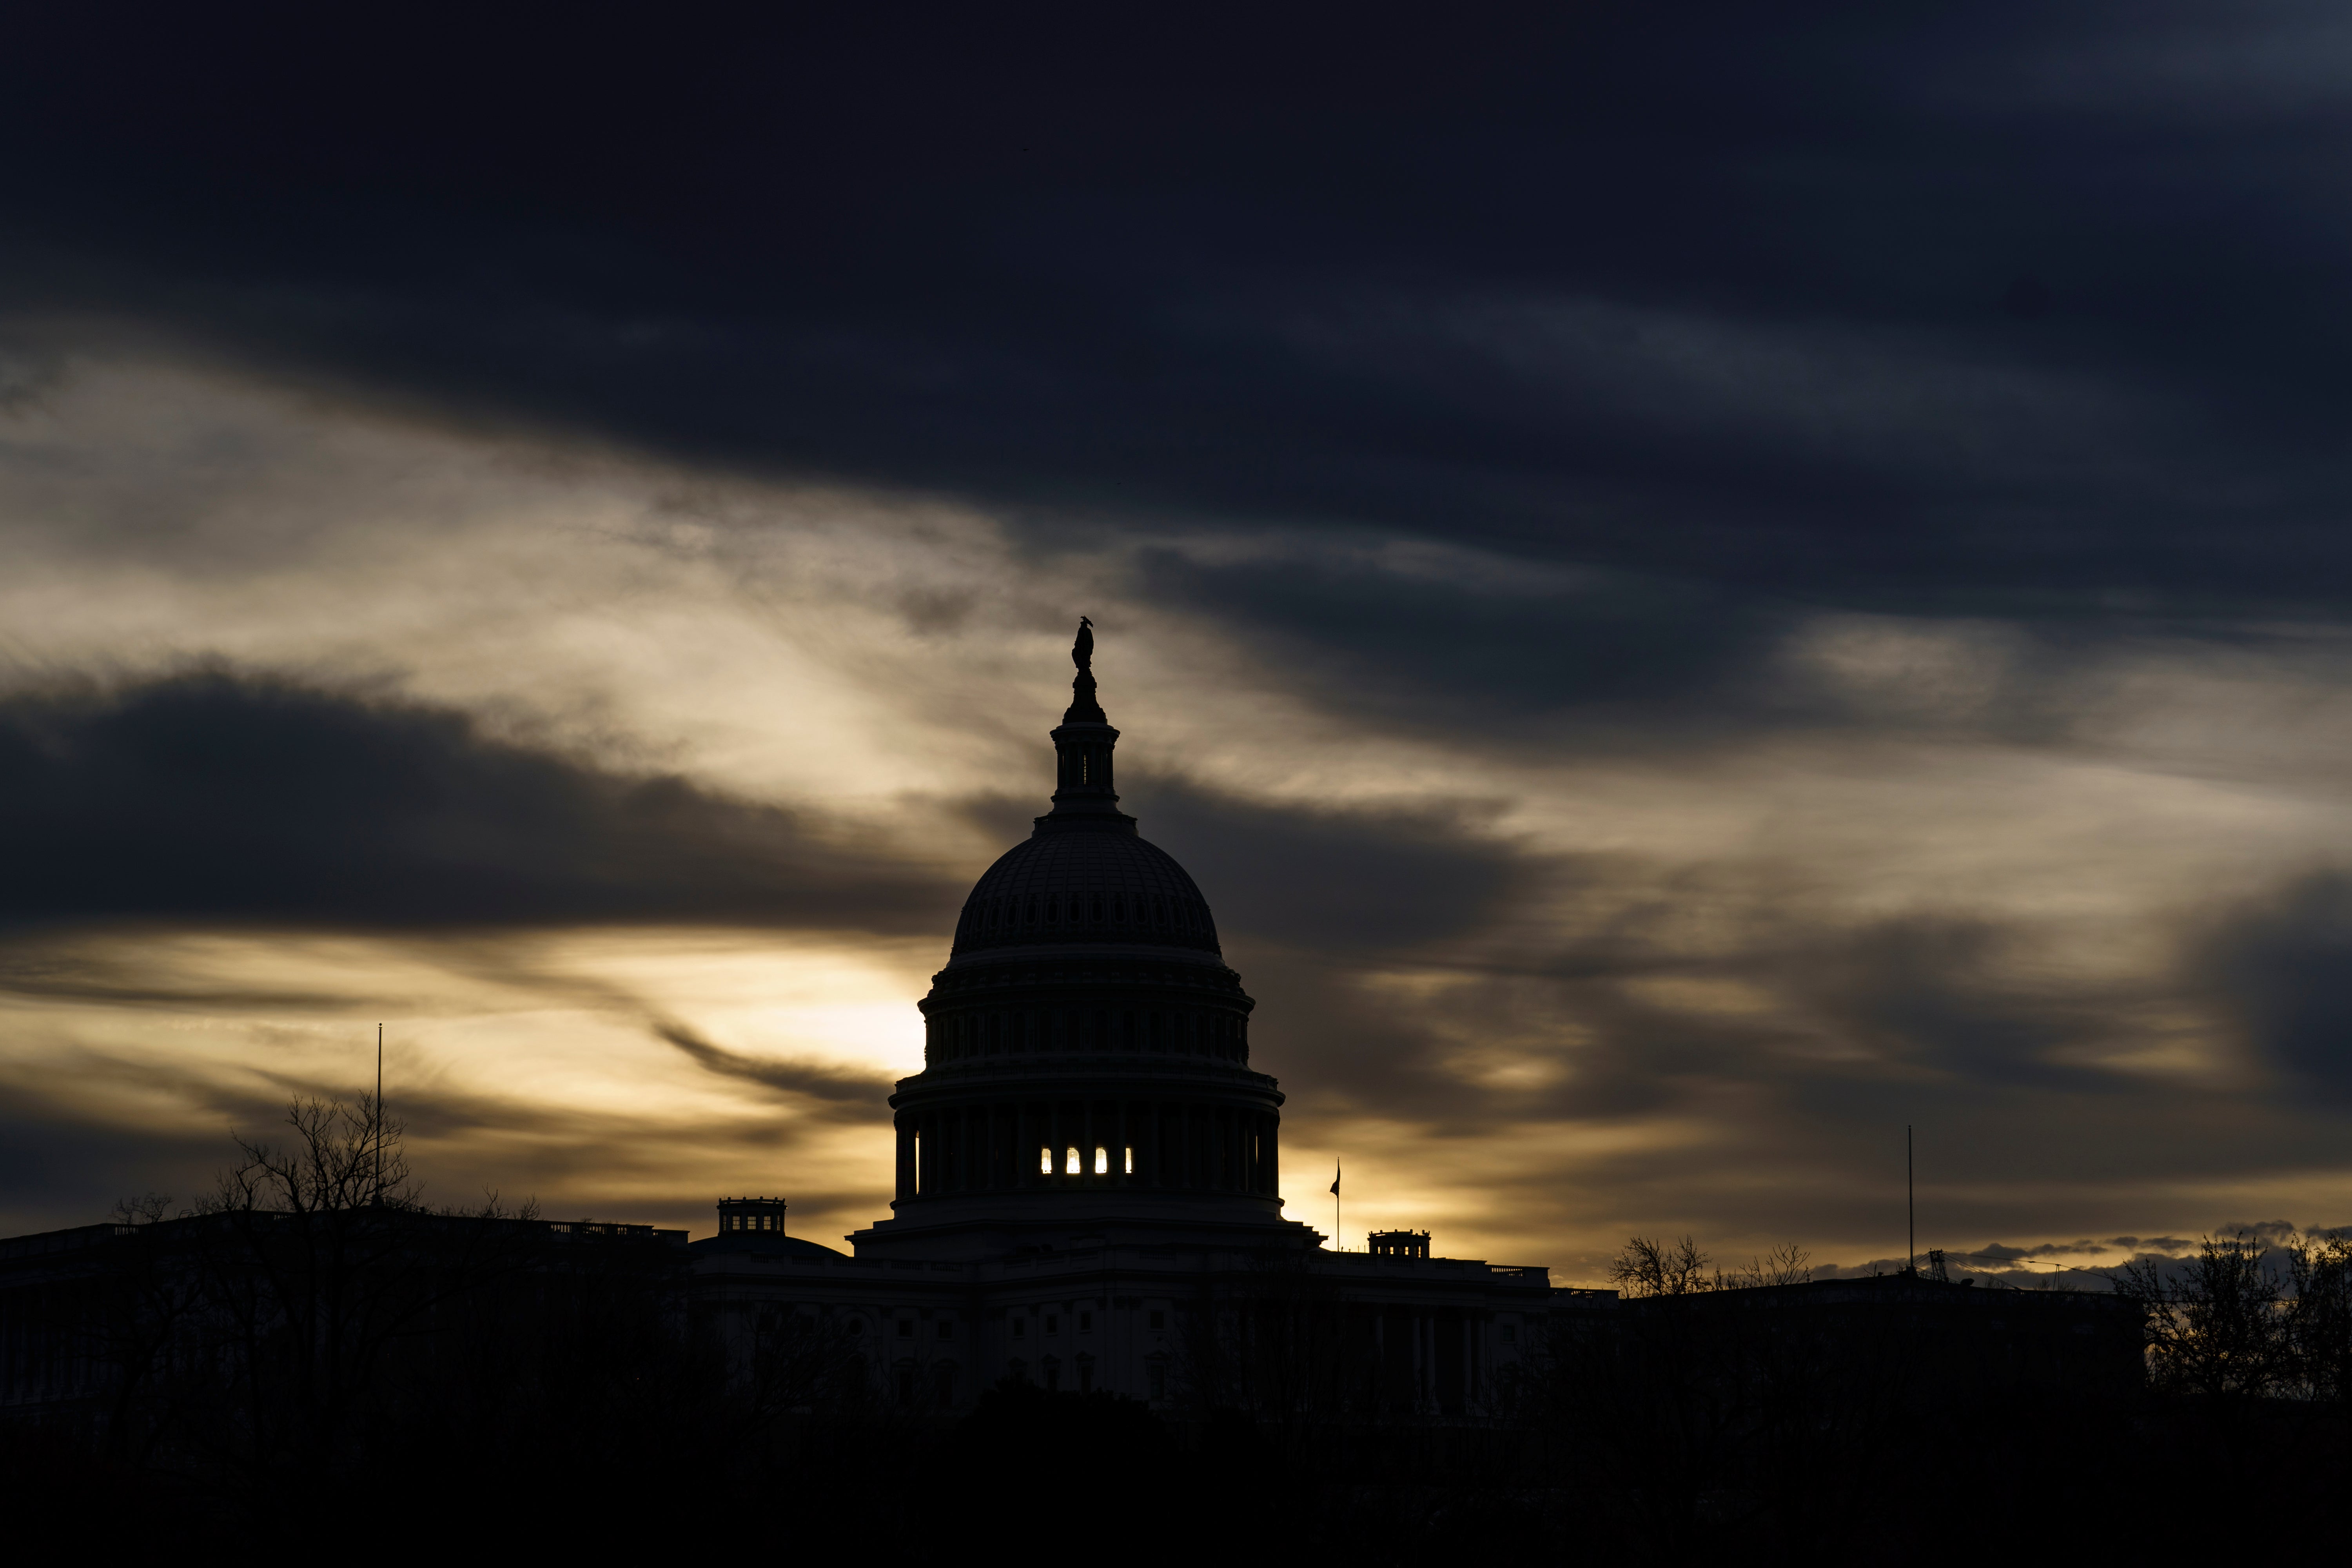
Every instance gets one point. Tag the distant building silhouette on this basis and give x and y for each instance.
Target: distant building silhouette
(1398, 1244)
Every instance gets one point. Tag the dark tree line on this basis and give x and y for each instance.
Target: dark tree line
(2245, 1318)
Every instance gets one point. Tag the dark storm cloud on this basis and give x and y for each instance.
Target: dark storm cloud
(53, 1162)
(2281, 969)
(1945, 993)
(1355, 879)
(224, 797)
(1394, 642)
(845, 1091)
(2019, 309)
(1859, 1014)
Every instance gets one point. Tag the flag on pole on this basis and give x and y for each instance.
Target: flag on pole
(1335, 1178)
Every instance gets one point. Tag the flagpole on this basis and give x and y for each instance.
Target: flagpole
(1338, 1238)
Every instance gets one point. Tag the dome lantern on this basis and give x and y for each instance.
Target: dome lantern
(1083, 744)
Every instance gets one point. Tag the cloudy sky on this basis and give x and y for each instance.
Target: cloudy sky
(1695, 585)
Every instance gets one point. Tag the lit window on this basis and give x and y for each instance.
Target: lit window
(1044, 1162)
(1070, 1162)
(1102, 1160)
(1131, 1159)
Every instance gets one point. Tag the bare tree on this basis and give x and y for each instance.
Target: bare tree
(1787, 1264)
(1646, 1267)
(2216, 1326)
(2318, 1328)
(265, 1320)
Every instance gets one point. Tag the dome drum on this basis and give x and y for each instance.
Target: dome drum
(1003, 1015)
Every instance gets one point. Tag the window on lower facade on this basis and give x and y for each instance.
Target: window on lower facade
(1130, 1160)
(1085, 1374)
(1102, 1160)
(1050, 1372)
(1070, 1164)
(1044, 1162)
(1156, 1375)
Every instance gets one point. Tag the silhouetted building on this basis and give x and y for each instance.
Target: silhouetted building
(1905, 1332)
(220, 1297)
(1089, 1168)
(1398, 1244)
(1088, 1197)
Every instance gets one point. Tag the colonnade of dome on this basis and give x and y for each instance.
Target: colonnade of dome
(1023, 1144)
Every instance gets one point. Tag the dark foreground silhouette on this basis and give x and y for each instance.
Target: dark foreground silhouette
(312, 1359)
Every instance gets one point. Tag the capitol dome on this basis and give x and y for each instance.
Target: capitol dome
(1095, 884)
(1085, 1049)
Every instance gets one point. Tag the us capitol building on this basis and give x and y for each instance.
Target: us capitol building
(1089, 1163)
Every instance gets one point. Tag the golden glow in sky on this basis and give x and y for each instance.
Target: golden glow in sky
(1539, 982)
